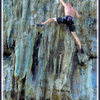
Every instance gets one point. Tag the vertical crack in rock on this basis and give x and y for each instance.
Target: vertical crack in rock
(57, 67)
(60, 52)
(45, 10)
(21, 11)
(45, 85)
(75, 63)
(22, 93)
(34, 67)
(48, 99)
(28, 3)
(13, 85)
(8, 50)
(50, 65)
(9, 46)
(61, 64)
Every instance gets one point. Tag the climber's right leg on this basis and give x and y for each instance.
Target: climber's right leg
(76, 39)
(48, 21)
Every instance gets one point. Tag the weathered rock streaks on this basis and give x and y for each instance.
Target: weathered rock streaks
(44, 63)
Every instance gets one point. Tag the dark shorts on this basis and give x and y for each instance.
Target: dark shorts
(68, 20)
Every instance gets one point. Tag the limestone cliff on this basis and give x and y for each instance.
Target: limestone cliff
(44, 63)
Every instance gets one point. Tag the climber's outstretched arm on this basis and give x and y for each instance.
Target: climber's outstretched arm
(63, 3)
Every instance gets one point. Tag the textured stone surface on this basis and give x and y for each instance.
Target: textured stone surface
(44, 63)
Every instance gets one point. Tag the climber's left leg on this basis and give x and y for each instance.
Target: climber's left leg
(58, 20)
(76, 39)
(47, 22)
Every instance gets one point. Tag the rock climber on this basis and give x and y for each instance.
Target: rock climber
(68, 19)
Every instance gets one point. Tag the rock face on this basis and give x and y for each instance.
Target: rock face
(44, 63)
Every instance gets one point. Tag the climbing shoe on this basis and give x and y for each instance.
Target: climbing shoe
(81, 64)
(82, 51)
(40, 25)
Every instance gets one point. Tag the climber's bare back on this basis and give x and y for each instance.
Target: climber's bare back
(69, 10)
